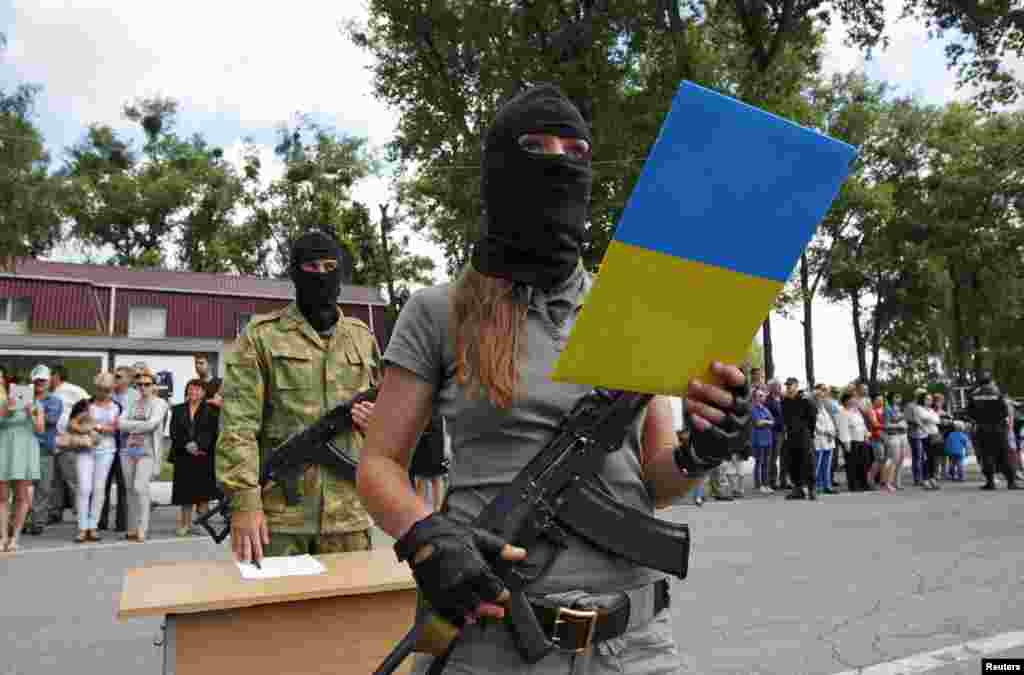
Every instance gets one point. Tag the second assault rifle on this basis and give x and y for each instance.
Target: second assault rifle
(556, 494)
(313, 445)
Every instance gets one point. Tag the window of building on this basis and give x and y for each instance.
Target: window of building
(243, 321)
(147, 322)
(15, 314)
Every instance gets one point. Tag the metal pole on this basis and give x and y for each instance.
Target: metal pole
(113, 304)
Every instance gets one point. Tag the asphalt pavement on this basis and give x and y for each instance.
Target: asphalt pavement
(871, 583)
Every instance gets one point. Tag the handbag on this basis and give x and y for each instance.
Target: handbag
(77, 442)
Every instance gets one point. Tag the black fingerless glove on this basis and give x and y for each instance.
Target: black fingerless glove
(709, 448)
(457, 576)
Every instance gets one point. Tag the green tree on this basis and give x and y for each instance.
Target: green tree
(980, 34)
(846, 107)
(315, 190)
(878, 265)
(382, 259)
(30, 222)
(973, 192)
(172, 204)
(446, 66)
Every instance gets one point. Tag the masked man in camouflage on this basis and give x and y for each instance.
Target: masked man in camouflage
(289, 369)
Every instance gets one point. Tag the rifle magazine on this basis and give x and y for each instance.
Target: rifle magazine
(590, 512)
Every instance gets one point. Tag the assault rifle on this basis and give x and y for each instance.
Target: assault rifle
(313, 445)
(556, 493)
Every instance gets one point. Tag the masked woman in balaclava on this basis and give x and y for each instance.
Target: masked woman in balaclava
(480, 351)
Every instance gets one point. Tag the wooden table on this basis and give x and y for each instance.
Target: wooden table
(343, 621)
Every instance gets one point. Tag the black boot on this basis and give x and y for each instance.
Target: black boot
(990, 484)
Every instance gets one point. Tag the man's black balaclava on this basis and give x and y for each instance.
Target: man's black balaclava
(536, 205)
(317, 293)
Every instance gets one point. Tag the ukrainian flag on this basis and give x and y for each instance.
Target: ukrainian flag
(727, 200)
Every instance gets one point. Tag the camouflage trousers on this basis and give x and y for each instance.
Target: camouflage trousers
(315, 544)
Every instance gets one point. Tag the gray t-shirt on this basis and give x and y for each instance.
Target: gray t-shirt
(490, 445)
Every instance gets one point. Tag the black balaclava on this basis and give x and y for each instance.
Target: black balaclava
(316, 293)
(536, 205)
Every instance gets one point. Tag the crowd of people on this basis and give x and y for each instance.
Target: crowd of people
(66, 448)
(798, 441)
(70, 449)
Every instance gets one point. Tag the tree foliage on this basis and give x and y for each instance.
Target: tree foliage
(931, 262)
(981, 34)
(29, 196)
(446, 67)
(315, 189)
(175, 194)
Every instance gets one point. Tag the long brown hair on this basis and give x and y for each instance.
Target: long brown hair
(488, 323)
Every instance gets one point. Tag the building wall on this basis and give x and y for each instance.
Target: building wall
(190, 315)
(58, 306)
(68, 307)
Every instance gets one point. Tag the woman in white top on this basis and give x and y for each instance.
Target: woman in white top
(824, 441)
(93, 464)
(928, 425)
(853, 434)
(918, 438)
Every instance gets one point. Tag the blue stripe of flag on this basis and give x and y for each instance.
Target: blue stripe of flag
(731, 185)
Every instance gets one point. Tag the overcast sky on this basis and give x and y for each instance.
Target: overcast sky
(240, 68)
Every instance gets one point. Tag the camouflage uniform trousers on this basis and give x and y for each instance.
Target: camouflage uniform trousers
(316, 544)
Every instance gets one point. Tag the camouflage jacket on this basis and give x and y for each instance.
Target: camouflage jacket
(280, 377)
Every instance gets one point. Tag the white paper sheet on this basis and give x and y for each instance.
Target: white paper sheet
(282, 566)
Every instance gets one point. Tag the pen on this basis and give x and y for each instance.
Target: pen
(257, 564)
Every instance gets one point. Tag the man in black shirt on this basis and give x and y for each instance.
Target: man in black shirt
(986, 406)
(799, 414)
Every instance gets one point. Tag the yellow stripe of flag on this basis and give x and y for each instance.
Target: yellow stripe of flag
(657, 350)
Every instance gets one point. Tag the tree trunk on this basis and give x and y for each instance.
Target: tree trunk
(959, 351)
(766, 346)
(876, 343)
(858, 337)
(808, 324)
(976, 344)
(385, 227)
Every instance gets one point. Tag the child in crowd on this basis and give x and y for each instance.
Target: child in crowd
(958, 444)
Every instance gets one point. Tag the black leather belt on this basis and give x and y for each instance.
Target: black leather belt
(576, 628)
